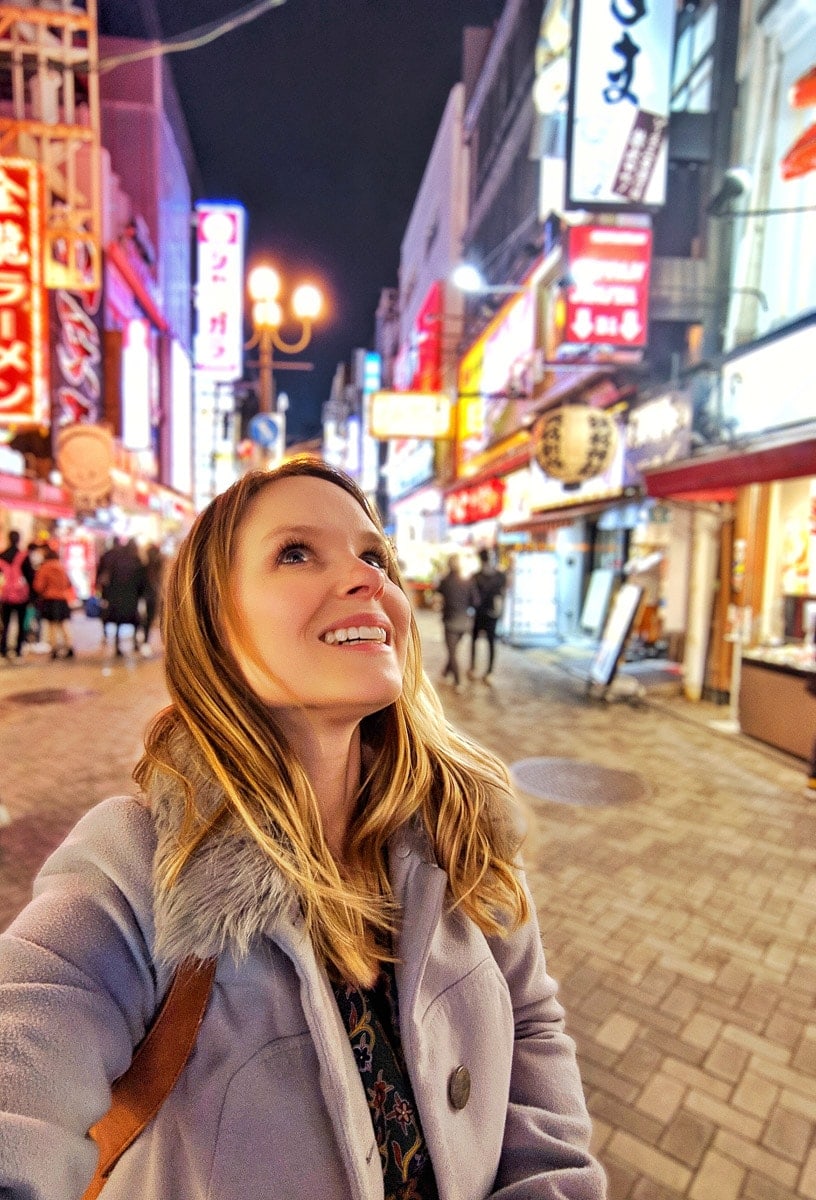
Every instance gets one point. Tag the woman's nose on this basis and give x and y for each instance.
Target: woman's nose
(365, 578)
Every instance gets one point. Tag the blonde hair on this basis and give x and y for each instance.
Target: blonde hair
(416, 764)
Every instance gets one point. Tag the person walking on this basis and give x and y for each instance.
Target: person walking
(124, 577)
(36, 557)
(458, 598)
(381, 1022)
(490, 585)
(54, 589)
(152, 595)
(15, 590)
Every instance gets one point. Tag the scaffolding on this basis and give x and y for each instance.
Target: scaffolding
(49, 112)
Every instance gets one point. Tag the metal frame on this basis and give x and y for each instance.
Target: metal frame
(48, 52)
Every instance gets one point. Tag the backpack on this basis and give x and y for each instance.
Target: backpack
(15, 587)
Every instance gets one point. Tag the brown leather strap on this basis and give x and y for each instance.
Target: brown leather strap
(158, 1061)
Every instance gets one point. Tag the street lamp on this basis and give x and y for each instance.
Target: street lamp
(264, 285)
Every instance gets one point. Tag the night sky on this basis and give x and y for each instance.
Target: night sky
(319, 117)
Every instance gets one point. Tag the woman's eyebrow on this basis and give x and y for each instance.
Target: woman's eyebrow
(291, 531)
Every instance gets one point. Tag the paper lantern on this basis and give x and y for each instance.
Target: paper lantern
(574, 443)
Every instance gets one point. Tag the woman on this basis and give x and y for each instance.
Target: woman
(381, 1021)
(54, 590)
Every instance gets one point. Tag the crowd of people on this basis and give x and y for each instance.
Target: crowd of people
(37, 597)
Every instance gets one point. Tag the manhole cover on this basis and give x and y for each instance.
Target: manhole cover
(51, 696)
(581, 783)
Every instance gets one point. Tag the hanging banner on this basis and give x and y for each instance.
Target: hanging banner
(23, 313)
(618, 123)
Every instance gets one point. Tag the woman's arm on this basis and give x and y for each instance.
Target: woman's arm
(77, 992)
(545, 1152)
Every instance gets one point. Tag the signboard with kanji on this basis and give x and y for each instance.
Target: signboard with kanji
(219, 290)
(23, 313)
(618, 124)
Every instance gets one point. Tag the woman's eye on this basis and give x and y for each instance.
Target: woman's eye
(293, 554)
(377, 558)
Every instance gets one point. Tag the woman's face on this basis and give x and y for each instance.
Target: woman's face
(328, 629)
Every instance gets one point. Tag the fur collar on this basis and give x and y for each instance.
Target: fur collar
(229, 892)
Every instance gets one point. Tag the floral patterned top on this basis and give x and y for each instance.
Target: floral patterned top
(371, 1017)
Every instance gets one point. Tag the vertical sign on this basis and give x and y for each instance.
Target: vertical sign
(617, 131)
(76, 357)
(23, 316)
(219, 291)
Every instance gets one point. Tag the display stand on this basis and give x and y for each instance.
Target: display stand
(616, 632)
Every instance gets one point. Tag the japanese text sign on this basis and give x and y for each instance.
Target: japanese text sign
(607, 299)
(619, 103)
(23, 314)
(219, 291)
(479, 502)
(76, 357)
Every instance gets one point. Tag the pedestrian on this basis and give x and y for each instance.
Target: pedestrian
(381, 1021)
(53, 585)
(15, 589)
(152, 596)
(490, 585)
(124, 578)
(458, 599)
(101, 584)
(33, 626)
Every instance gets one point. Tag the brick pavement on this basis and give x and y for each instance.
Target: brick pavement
(681, 927)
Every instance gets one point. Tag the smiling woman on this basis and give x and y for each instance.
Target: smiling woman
(313, 832)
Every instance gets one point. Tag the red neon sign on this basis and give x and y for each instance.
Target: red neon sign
(23, 390)
(480, 502)
(608, 294)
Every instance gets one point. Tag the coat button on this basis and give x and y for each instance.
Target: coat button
(459, 1087)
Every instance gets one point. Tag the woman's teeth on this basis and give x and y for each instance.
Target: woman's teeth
(355, 633)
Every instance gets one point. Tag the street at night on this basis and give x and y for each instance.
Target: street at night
(677, 899)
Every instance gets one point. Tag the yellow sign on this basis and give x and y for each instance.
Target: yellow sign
(410, 415)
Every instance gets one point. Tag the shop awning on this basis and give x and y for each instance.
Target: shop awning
(19, 493)
(715, 474)
(557, 518)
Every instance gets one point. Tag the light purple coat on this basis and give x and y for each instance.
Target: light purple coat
(270, 1105)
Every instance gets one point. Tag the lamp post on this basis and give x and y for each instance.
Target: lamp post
(264, 285)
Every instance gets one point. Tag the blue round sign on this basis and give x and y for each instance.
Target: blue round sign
(265, 430)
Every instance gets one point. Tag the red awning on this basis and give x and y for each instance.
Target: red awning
(728, 469)
(22, 494)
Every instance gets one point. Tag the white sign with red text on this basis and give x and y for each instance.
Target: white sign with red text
(219, 290)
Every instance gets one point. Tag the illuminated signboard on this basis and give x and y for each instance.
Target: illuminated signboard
(410, 415)
(607, 300)
(23, 318)
(418, 367)
(617, 132)
(219, 291)
(479, 502)
(136, 369)
(76, 356)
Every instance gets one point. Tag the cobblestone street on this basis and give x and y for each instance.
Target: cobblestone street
(680, 922)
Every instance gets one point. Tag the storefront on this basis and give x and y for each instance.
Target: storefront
(761, 546)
